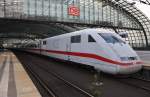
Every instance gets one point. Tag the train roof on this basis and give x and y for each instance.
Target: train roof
(100, 30)
(87, 31)
(93, 30)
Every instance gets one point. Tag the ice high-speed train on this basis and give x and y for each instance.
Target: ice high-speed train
(103, 49)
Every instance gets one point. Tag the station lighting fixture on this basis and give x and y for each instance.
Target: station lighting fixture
(68, 1)
(131, 2)
(117, 0)
(147, 2)
(10, 3)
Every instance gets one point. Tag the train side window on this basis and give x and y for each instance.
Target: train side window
(44, 42)
(76, 39)
(91, 39)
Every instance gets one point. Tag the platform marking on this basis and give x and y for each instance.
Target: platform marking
(5, 78)
(2, 68)
(2, 65)
(24, 85)
(12, 92)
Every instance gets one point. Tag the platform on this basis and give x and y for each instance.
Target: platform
(14, 80)
(145, 57)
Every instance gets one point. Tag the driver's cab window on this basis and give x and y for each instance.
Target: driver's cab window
(91, 39)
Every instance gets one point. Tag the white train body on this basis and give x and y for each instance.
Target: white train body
(103, 49)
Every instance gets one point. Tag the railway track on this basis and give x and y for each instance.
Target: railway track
(141, 79)
(137, 83)
(112, 87)
(40, 81)
(55, 85)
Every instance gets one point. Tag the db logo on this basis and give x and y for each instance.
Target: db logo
(73, 10)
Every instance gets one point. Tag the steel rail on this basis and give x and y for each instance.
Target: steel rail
(68, 83)
(129, 81)
(40, 81)
(65, 81)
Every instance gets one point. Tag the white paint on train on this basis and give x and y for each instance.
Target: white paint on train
(103, 49)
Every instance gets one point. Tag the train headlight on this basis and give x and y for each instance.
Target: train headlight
(128, 58)
(124, 58)
(132, 58)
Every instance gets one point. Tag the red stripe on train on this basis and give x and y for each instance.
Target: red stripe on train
(93, 56)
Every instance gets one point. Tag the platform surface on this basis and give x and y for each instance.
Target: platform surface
(14, 80)
(145, 57)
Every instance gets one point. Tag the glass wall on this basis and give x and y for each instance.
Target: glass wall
(90, 11)
(101, 12)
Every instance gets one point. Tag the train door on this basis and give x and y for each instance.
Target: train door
(40, 46)
(75, 47)
(68, 47)
(44, 47)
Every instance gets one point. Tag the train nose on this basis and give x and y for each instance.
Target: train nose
(129, 69)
